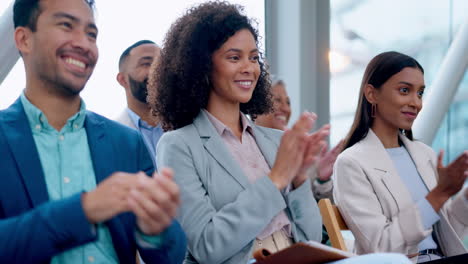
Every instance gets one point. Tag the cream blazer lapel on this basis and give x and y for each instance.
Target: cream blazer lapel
(383, 165)
(426, 161)
(422, 161)
(215, 145)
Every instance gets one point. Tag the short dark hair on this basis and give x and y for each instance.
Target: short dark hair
(126, 52)
(181, 83)
(381, 68)
(26, 12)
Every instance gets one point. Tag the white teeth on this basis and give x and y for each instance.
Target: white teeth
(281, 118)
(75, 62)
(245, 83)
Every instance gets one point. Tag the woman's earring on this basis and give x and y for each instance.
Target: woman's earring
(373, 110)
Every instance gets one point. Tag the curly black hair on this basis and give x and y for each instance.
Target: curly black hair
(180, 83)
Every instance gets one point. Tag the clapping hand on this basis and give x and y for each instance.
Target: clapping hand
(451, 180)
(326, 161)
(453, 176)
(154, 200)
(298, 150)
(315, 143)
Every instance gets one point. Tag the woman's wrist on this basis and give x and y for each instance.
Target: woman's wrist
(437, 198)
(299, 180)
(277, 180)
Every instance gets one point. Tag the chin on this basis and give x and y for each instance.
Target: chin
(278, 126)
(72, 90)
(406, 127)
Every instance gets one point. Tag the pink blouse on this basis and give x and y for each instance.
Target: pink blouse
(251, 160)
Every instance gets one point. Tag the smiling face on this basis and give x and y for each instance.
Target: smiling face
(235, 70)
(279, 118)
(399, 99)
(62, 53)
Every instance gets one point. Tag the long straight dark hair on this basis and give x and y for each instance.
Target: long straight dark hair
(381, 68)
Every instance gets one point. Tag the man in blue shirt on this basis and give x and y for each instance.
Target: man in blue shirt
(134, 68)
(75, 185)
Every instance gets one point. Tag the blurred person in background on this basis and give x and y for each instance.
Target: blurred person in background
(134, 67)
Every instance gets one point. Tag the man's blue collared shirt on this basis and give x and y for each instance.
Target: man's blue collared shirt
(68, 169)
(151, 134)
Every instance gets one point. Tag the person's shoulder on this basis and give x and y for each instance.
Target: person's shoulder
(111, 126)
(123, 118)
(353, 153)
(12, 110)
(272, 133)
(183, 134)
(422, 145)
(424, 149)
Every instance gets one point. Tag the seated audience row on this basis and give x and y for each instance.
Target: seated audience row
(78, 186)
(230, 171)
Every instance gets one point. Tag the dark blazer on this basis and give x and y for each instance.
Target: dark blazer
(34, 229)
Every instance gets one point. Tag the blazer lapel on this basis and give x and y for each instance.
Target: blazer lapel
(422, 162)
(23, 147)
(102, 153)
(214, 144)
(383, 165)
(99, 146)
(267, 146)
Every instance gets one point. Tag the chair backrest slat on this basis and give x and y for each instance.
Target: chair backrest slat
(333, 222)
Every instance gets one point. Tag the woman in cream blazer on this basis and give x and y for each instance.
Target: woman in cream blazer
(369, 187)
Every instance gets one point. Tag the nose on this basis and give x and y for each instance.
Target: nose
(285, 107)
(416, 102)
(84, 43)
(247, 66)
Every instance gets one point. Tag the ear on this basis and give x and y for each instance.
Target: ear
(121, 79)
(370, 93)
(23, 41)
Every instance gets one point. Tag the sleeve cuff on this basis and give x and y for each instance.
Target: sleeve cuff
(428, 214)
(296, 196)
(323, 186)
(150, 242)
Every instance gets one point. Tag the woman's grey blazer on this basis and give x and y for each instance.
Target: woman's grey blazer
(221, 212)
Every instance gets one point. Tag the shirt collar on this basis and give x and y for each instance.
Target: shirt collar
(221, 127)
(137, 121)
(38, 121)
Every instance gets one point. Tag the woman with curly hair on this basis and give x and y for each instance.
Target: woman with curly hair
(242, 186)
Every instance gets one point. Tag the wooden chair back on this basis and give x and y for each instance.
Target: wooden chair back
(333, 222)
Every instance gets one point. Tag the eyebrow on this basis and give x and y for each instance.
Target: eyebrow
(410, 84)
(146, 58)
(238, 50)
(74, 19)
